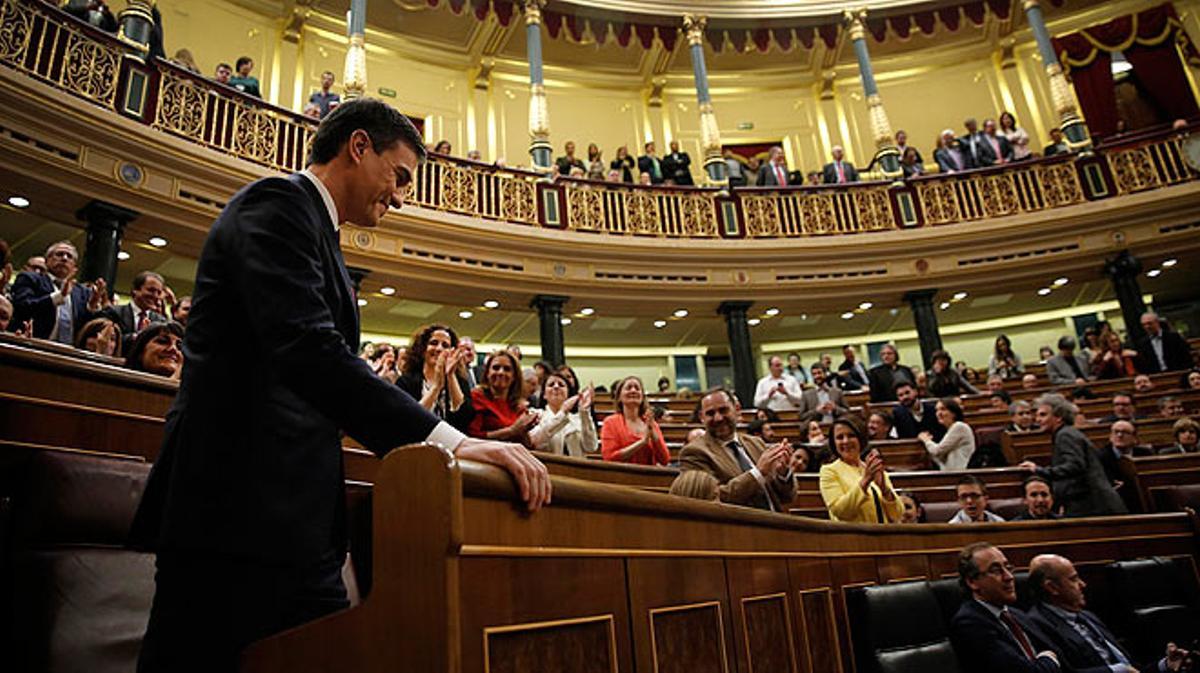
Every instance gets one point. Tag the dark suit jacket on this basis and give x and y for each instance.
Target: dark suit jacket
(830, 176)
(676, 166)
(882, 380)
(907, 426)
(946, 163)
(1006, 151)
(1073, 651)
(1111, 463)
(737, 485)
(31, 301)
(1077, 476)
(1058, 369)
(1054, 148)
(983, 155)
(848, 373)
(123, 316)
(766, 176)
(645, 165)
(1175, 352)
(251, 462)
(985, 645)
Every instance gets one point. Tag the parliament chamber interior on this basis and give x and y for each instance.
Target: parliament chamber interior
(844, 337)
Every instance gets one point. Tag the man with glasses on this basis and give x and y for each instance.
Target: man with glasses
(972, 497)
(54, 301)
(988, 634)
(1122, 409)
(1122, 443)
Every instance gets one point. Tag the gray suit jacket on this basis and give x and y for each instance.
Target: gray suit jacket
(738, 486)
(1058, 370)
(809, 401)
(1078, 478)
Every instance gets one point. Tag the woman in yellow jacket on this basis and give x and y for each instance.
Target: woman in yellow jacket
(854, 489)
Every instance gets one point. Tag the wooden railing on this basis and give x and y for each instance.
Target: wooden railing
(65, 53)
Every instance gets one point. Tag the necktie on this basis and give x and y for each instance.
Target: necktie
(1018, 633)
(1157, 345)
(780, 176)
(655, 171)
(954, 154)
(996, 148)
(739, 455)
(1109, 654)
(65, 329)
(841, 173)
(142, 322)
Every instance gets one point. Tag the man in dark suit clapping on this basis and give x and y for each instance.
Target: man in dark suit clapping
(55, 303)
(244, 506)
(650, 164)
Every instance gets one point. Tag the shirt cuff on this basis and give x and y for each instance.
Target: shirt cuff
(446, 437)
(57, 297)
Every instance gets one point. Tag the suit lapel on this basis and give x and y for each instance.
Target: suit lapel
(722, 458)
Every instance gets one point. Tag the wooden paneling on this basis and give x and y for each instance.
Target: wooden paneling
(585, 645)
(680, 615)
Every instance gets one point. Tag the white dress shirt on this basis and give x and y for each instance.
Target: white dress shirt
(787, 401)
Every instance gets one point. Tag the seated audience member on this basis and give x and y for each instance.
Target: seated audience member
(954, 451)
(1045, 353)
(1186, 432)
(1029, 382)
(760, 414)
(823, 398)
(1169, 406)
(184, 59)
(631, 435)
(569, 161)
(839, 171)
(883, 377)
(773, 172)
(910, 416)
(1143, 384)
(853, 373)
(223, 73)
(1081, 640)
(914, 511)
(54, 301)
(945, 381)
(855, 486)
(100, 335)
(750, 472)
(1000, 148)
(1122, 408)
(880, 426)
(664, 384)
(972, 497)
(922, 383)
(244, 81)
(1021, 413)
(762, 430)
(431, 375)
(696, 484)
(1004, 362)
(989, 634)
(1058, 143)
(995, 383)
(812, 179)
(651, 166)
(6, 313)
(1038, 500)
(1016, 136)
(444, 147)
(1113, 361)
(1075, 472)
(1067, 368)
(145, 306)
(158, 349)
(565, 426)
(325, 96)
(778, 390)
(1000, 400)
(910, 163)
(1161, 350)
(501, 411)
(181, 309)
(811, 434)
(950, 156)
(1190, 380)
(1122, 443)
(902, 145)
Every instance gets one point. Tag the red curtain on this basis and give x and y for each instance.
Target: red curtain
(1097, 97)
(1160, 70)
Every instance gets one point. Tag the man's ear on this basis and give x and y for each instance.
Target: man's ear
(357, 145)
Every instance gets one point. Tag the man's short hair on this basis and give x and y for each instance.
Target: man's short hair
(967, 568)
(1059, 407)
(1032, 479)
(885, 415)
(243, 60)
(1066, 344)
(224, 65)
(66, 243)
(733, 402)
(140, 279)
(1183, 425)
(972, 480)
(902, 383)
(755, 427)
(383, 124)
(1165, 401)
(1002, 395)
(1018, 405)
(328, 72)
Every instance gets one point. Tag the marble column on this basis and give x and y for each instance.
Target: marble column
(354, 76)
(540, 150)
(886, 155)
(741, 349)
(1063, 96)
(925, 319)
(550, 313)
(1123, 270)
(710, 135)
(105, 226)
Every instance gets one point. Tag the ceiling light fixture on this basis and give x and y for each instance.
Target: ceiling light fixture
(158, 241)
(681, 313)
(1059, 282)
(772, 311)
(804, 316)
(362, 302)
(465, 315)
(660, 323)
(1044, 291)
(18, 201)
(753, 321)
(866, 305)
(387, 290)
(566, 321)
(1154, 273)
(959, 296)
(587, 310)
(491, 303)
(122, 255)
(1168, 263)
(847, 315)
(944, 305)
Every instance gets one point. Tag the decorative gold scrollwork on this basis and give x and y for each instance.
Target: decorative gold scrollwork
(939, 202)
(762, 216)
(998, 195)
(874, 210)
(1060, 185)
(698, 216)
(458, 189)
(254, 135)
(15, 27)
(641, 212)
(517, 201)
(586, 207)
(1133, 170)
(817, 214)
(90, 69)
(181, 107)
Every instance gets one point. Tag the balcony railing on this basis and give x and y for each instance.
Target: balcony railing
(48, 45)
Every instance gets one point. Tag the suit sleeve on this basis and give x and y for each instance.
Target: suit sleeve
(984, 648)
(1069, 459)
(29, 302)
(739, 490)
(275, 259)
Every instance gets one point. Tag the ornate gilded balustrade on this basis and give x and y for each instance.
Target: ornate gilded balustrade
(42, 42)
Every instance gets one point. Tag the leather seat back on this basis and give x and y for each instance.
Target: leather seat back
(899, 628)
(1156, 601)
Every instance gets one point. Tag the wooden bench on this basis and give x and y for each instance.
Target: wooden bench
(1150, 474)
(1038, 446)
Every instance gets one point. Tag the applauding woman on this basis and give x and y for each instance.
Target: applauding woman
(855, 487)
(432, 375)
(631, 435)
(1113, 360)
(565, 426)
(500, 410)
(958, 445)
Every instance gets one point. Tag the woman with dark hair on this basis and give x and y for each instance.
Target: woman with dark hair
(855, 487)
(158, 349)
(1190, 380)
(565, 426)
(569, 374)
(1016, 136)
(100, 335)
(500, 410)
(432, 375)
(910, 163)
(631, 435)
(1004, 362)
(595, 170)
(957, 446)
(442, 147)
(943, 380)
(624, 163)
(914, 511)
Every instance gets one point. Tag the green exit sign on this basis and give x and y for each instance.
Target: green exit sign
(384, 91)
(745, 126)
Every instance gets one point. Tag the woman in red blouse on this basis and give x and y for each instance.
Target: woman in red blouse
(631, 435)
(1114, 361)
(500, 411)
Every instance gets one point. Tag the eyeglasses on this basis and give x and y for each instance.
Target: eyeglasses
(1124, 432)
(969, 496)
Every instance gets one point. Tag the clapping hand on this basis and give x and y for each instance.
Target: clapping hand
(68, 284)
(774, 459)
(586, 397)
(106, 339)
(925, 436)
(26, 329)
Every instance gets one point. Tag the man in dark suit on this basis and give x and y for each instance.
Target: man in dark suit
(1038, 500)
(1160, 350)
(1122, 442)
(1081, 640)
(1001, 149)
(988, 634)
(1058, 143)
(910, 417)
(1080, 485)
(677, 165)
(853, 373)
(245, 505)
(145, 305)
(902, 146)
(774, 172)
(650, 164)
(975, 146)
(824, 400)
(839, 171)
(57, 305)
(951, 157)
(884, 377)
(749, 472)
(1067, 368)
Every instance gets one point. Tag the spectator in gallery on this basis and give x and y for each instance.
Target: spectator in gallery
(943, 380)
(158, 349)
(753, 164)
(325, 96)
(910, 163)
(181, 310)
(914, 511)
(184, 59)
(664, 384)
(813, 178)
(223, 73)
(565, 426)
(1186, 433)
(1016, 136)
(1161, 350)
(1029, 382)
(568, 161)
(950, 155)
(645, 180)
(312, 111)
(432, 375)
(1113, 360)
(750, 471)
(677, 165)
(903, 146)
(796, 369)
(244, 81)
(1004, 362)
(839, 171)
(1038, 500)
(1170, 406)
(1190, 380)
(650, 165)
(955, 449)
(631, 435)
(778, 390)
(824, 400)
(976, 146)
(1058, 143)
(1143, 384)
(774, 172)
(972, 497)
(595, 164)
(1045, 353)
(101, 336)
(6, 313)
(54, 301)
(1067, 368)
(884, 377)
(624, 163)
(880, 426)
(855, 487)
(613, 175)
(500, 409)
(852, 372)
(735, 169)
(1020, 417)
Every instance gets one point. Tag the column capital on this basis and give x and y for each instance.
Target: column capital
(693, 25)
(1123, 265)
(727, 308)
(533, 11)
(854, 19)
(1030, 4)
(920, 295)
(106, 214)
(548, 301)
